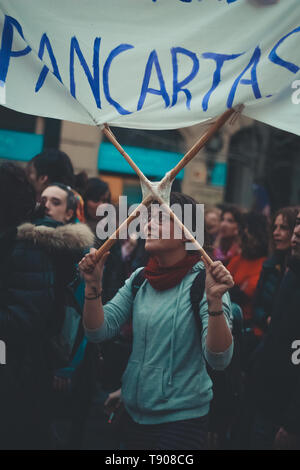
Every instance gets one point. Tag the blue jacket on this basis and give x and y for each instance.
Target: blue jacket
(166, 378)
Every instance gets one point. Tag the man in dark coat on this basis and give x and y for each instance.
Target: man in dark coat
(27, 302)
(33, 263)
(276, 374)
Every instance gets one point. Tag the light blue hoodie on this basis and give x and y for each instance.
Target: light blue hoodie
(166, 378)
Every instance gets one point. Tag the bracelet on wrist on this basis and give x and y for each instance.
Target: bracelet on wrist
(97, 295)
(215, 314)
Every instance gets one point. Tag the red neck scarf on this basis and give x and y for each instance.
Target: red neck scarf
(163, 278)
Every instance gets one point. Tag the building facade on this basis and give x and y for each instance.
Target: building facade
(245, 162)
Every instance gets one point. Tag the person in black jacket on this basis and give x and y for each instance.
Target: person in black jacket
(276, 373)
(50, 166)
(29, 309)
(274, 267)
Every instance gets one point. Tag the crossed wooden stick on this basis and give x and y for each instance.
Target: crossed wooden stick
(154, 190)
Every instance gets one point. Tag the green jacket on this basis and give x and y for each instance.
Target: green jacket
(166, 378)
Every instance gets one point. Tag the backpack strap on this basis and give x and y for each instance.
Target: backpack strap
(196, 295)
(137, 282)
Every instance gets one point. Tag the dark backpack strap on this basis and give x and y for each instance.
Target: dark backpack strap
(196, 295)
(137, 282)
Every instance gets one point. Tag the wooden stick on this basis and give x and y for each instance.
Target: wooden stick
(109, 134)
(188, 235)
(129, 160)
(201, 142)
(155, 196)
(172, 174)
(186, 232)
(147, 201)
(114, 237)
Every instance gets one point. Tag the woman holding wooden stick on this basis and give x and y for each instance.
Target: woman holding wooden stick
(166, 389)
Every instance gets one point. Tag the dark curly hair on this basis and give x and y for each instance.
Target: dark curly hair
(71, 199)
(95, 189)
(236, 213)
(255, 236)
(289, 215)
(56, 165)
(17, 196)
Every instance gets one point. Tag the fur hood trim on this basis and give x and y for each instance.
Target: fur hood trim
(69, 237)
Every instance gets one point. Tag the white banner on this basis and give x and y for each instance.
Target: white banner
(151, 64)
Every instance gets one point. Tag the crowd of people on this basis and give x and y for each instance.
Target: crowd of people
(149, 346)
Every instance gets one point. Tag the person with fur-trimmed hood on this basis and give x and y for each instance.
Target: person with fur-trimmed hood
(35, 260)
